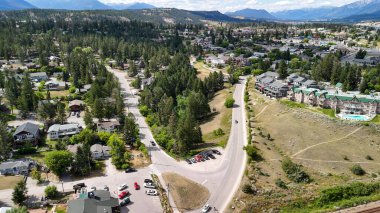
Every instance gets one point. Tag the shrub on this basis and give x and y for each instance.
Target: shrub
(229, 103)
(144, 110)
(294, 172)
(36, 175)
(51, 191)
(218, 132)
(357, 170)
(27, 150)
(247, 189)
(368, 157)
(281, 184)
(253, 153)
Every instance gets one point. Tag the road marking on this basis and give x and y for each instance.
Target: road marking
(205, 181)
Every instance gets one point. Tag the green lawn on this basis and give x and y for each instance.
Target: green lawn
(328, 112)
(292, 104)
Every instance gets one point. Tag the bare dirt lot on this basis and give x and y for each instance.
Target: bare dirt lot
(187, 194)
(326, 148)
(8, 182)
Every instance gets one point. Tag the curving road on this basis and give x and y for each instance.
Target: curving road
(222, 178)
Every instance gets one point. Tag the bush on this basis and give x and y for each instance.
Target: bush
(281, 184)
(247, 189)
(368, 157)
(27, 150)
(218, 132)
(144, 110)
(294, 172)
(229, 103)
(253, 153)
(357, 170)
(51, 192)
(36, 175)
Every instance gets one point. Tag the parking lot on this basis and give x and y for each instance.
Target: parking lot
(204, 156)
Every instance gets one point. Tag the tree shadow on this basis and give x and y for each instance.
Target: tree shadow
(209, 117)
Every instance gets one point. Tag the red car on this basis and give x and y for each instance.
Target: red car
(123, 194)
(137, 186)
(198, 158)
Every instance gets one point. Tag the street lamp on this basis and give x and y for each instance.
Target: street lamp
(63, 190)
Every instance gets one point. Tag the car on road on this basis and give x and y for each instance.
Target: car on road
(152, 192)
(122, 187)
(206, 208)
(125, 201)
(130, 169)
(123, 194)
(106, 188)
(153, 143)
(193, 160)
(148, 181)
(216, 152)
(188, 161)
(78, 114)
(211, 156)
(198, 158)
(136, 185)
(92, 188)
(149, 185)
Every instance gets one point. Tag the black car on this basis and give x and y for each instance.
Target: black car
(216, 152)
(148, 181)
(211, 156)
(205, 156)
(130, 169)
(79, 186)
(188, 161)
(153, 143)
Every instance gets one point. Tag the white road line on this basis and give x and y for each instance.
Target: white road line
(205, 181)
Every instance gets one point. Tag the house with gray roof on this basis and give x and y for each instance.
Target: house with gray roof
(99, 151)
(298, 81)
(38, 76)
(276, 90)
(27, 132)
(310, 84)
(57, 131)
(17, 167)
(98, 201)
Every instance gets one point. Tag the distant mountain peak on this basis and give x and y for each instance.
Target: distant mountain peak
(70, 4)
(252, 14)
(131, 6)
(15, 5)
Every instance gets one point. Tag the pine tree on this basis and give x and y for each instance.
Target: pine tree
(88, 119)
(19, 194)
(26, 102)
(5, 142)
(282, 70)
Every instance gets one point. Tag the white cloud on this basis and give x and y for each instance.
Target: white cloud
(232, 5)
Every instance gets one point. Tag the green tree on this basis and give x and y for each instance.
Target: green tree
(51, 192)
(36, 175)
(132, 69)
(88, 119)
(46, 111)
(282, 70)
(61, 114)
(26, 99)
(82, 161)
(19, 194)
(21, 209)
(58, 161)
(131, 131)
(229, 103)
(118, 152)
(97, 110)
(5, 141)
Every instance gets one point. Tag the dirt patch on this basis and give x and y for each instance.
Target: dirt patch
(55, 94)
(8, 182)
(139, 160)
(187, 194)
(221, 118)
(203, 70)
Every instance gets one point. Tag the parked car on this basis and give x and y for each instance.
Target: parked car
(137, 186)
(106, 188)
(125, 201)
(148, 181)
(153, 143)
(152, 192)
(206, 208)
(149, 185)
(122, 187)
(123, 194)
(78, 114)
(92, 188)
(79, 186)
(130, 169)
(188, 161)
(205, 156)
(216, 152)
(73, 114)
(193, 160)
(211, 156)
(198, 158)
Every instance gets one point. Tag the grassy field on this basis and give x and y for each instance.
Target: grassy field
(221, 118)
(325, 147)
(8, 182)
(203, 70)
(187, 194)
(55, 94)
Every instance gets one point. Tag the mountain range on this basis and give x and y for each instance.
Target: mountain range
(15, 5)
(131, 6)
(70, 4)
(252, 14)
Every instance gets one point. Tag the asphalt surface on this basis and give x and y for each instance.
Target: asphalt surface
(223, 178)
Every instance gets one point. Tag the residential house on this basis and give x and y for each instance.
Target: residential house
(38, 76)
(57, 131)
(100, 152)
(276, 89)
(298, 81)
(310, 84)
(108, 126)
(76, 105)
(17, 167)
(74, 148)
(85, 89)
(98, 201)
(27, 132)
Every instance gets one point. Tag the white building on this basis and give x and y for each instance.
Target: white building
(60, 131)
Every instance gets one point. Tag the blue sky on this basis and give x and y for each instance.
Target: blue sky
(232, 5)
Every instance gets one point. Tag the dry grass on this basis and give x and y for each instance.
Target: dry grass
(220, 119)
(138, 161)
(313, 140)
(187, 194)
(55, 94)
(203, 70)
(8, 182)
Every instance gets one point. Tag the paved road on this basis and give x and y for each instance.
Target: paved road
(223, 178)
